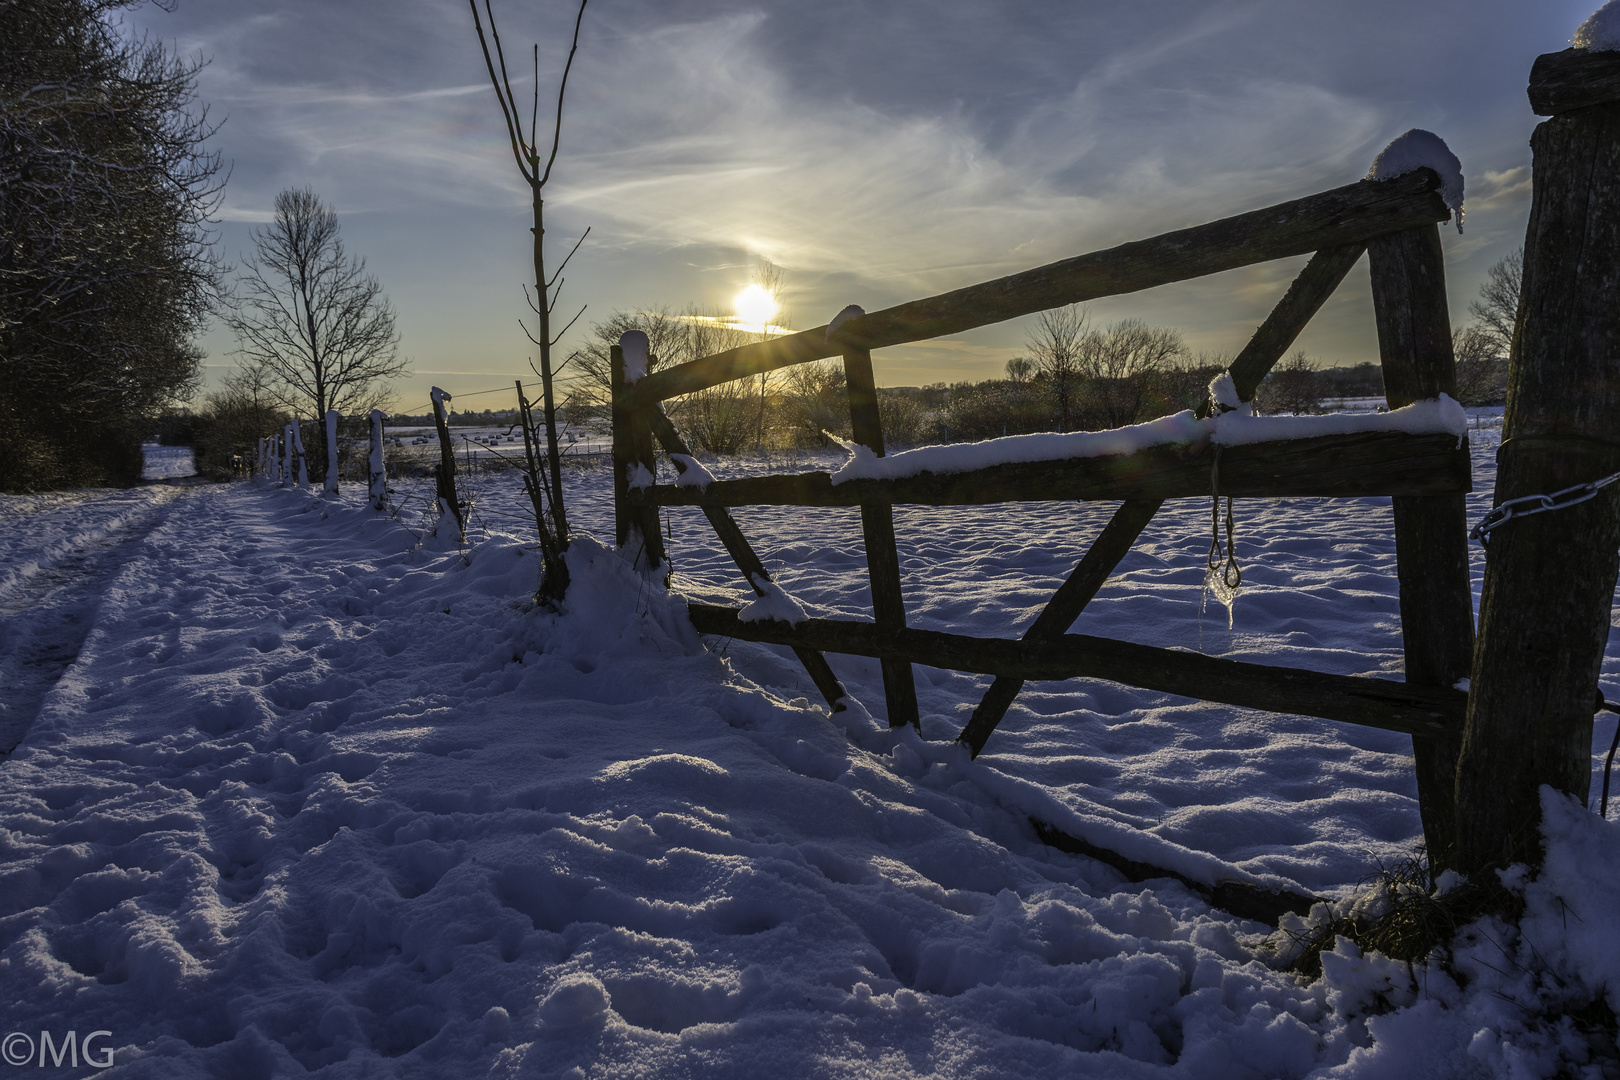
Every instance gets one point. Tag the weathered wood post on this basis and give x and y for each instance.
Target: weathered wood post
(300, 459)
(331, 452)
(376, 474)
(449, 502)
(1431, 531)
(1550, 577)
(635, 528)
(877, 526)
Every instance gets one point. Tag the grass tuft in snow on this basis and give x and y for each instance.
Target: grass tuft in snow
(1395, 914)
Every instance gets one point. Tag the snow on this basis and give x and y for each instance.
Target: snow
(853, 311)
(1234, 425)
(772, 604)
(167, 462)
(1418, 149)
(634, 345)
(691, 472)
(305, 796)
(1601, 31)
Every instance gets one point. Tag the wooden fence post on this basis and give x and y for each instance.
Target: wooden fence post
(376, 475)
(449, 502)
(882, 557)
(300, 458)
(635, 528)
(1431, 531)
(331, 452)
(1550, 577)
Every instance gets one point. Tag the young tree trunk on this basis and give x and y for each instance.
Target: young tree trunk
(1550, 577)
(559, 515)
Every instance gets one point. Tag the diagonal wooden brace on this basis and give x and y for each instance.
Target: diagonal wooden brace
(1304, 298)
(748, 561)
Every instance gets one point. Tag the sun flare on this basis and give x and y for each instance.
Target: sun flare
(755, 306)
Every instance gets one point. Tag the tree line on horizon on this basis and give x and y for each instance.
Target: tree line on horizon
(1072, 376)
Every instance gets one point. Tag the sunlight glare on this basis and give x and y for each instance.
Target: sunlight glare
(755, 306)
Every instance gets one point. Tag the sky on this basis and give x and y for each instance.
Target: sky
(876, 152)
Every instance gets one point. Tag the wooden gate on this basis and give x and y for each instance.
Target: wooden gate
(1393, 221)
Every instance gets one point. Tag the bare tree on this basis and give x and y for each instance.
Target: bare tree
(526, 151)
(1020, 369)
(311, 325)
(1055, 345)
(1497, 308)
(588, 365)
(1481, 366)
(1293, 386)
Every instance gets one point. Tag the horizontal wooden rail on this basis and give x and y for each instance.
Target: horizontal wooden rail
(1346, 215)
(1337, 466)
(1434, 712)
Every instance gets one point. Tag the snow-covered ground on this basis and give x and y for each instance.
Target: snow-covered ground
(167, 462)
(301, 789)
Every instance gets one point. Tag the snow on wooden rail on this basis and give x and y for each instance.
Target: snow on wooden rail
(1348, 465)
(1425, 711)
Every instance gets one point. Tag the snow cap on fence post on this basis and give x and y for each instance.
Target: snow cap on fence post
(1600, 32)
(331, 452)
(635, 346)
(377, 482)
(1419, 149)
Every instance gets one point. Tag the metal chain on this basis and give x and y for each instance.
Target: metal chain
(1536, 504)
(1231, 573)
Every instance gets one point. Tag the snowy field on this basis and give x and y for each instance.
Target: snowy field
(299, 789)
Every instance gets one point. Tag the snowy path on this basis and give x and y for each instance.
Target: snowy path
(52, 579)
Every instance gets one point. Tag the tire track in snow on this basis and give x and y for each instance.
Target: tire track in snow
(45, 618)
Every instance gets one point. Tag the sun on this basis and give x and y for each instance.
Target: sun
(755, 306)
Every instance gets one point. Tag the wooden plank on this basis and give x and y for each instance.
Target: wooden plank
(877, 528)
(1380, 703)
(1562, 82)
(1332, 466)
(1550, 578)
(748, 561)
(1304, 298)
(1431, 532)
(1346, 215)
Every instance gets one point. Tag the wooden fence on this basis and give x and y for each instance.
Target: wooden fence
(1394, 222)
